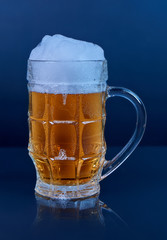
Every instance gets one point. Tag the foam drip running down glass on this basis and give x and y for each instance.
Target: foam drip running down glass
(66, 124)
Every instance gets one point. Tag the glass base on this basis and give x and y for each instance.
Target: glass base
(67, 192)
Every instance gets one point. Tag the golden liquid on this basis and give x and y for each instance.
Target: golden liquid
(66, 136)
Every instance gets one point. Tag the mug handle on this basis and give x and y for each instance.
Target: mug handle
(113, 164)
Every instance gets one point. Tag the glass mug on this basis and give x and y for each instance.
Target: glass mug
(66, 126)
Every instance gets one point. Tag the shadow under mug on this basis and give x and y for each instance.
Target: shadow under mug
(66, 126)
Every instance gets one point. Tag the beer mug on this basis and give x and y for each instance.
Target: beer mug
(66, 126)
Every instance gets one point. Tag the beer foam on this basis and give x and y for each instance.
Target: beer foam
(64, 65)
(58, 47)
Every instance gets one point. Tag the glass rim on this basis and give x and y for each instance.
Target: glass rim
(68, 61)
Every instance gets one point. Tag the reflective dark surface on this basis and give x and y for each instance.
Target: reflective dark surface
(132, 203)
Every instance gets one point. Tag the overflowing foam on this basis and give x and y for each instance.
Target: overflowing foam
(64, 65)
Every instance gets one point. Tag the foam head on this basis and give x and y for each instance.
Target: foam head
(60, 48)
(66, 63)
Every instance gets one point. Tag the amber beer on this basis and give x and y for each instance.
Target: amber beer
(67, 136)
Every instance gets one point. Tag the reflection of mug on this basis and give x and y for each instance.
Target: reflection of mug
(87, 210)
(67, 120)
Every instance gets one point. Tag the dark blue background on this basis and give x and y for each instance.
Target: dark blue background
(133, 35)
